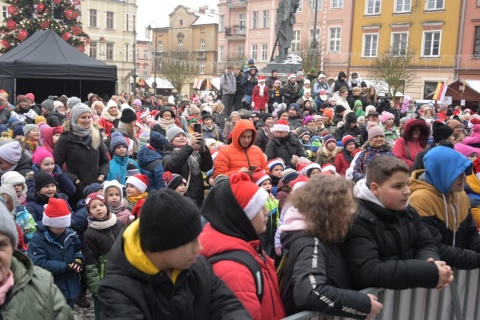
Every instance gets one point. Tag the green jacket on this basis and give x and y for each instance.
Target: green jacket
(34, 295)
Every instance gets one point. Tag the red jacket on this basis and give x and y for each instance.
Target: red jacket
(239, 279)
(107, 125)
(341, 165)
(259, 101)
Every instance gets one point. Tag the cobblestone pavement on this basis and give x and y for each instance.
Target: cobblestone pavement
(85, 313)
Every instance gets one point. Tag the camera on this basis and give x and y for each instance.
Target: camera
(383, 104)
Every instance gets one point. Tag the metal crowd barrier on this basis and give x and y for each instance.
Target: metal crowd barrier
(461, 301)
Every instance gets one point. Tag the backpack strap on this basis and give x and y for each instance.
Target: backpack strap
(248, 261)
(407, 150)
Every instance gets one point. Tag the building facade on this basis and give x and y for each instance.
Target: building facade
(468, 64)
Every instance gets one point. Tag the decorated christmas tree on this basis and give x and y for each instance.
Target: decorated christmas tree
(25, 17)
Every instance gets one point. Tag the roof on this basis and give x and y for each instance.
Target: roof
(162, 83)
(207, 18)
(474, 84)
(47, 56)
(381, 87)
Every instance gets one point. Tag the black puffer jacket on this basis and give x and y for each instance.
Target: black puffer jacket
(346, 129)
(388, 249)
(176, 161)
(55, 119)
(284, 148)
(329, 278)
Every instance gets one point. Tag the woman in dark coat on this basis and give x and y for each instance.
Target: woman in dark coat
(284, 145)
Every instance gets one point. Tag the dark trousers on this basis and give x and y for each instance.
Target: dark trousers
(228, 102)
(237, 103)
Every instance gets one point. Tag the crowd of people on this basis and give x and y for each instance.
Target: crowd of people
(266, 200)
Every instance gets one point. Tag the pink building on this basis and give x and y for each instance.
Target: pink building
(468, 66)
(247, 30)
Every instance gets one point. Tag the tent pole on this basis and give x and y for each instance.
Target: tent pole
(14, 91)
(80, 93)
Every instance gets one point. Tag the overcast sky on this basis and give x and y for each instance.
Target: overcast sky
(158, 10)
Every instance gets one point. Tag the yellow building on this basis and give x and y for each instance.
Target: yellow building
(427, 28)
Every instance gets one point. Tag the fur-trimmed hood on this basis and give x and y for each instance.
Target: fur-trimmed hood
(411, 125)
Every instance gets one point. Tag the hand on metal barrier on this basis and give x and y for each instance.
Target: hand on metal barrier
(445, 274)
(376, 307)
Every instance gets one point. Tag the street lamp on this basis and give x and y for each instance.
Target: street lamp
(154, 84)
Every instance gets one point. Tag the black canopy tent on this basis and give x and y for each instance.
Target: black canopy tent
(45, 64)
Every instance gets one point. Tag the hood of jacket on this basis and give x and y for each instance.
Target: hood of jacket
(341, 74)
(351, 118)
(473, 183)
(385, 148)
(240, 127)
(225, 214)
(293, 220)
(22, 269)
(147, 154)
(413, 124)
(363, 192)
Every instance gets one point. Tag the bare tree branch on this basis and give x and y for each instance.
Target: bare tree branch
(177, 67)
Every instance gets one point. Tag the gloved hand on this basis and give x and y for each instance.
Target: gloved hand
(75, 266)
(57, 171)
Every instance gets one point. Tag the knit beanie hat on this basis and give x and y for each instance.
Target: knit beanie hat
(328, 112)
(173, 180)
(172, 132)
(117, 140)
(291, 76)
(92, 188)
(139, 181)
(275, 162)
(42, 178)
(440, 131)
(17, 130)
(29, 127)
(329, 138)
(454, 123)
(137, 102)
(357, 103)
(387, 115)
(281, 125)
(289, 175)
(157, 140)
(339, 109)
(73, 101)
(56, 130)
(265, 116)
(8, 226)
(30, 96)
(374, 132)
(370, 110)
(40, 154)
(14, 178)
(259, 177)
(11, 121)
(113, 184)
(361, 120)
(48, 104)
(307, 119)
(464, 149)
(78, 110)
(346, 140)
(56, 214)
(248, 195)
(95, 196)
(128, 115)
(57, 104)
(11, 152)
(194, 110)
(21, 98)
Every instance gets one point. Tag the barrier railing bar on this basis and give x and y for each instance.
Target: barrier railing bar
(457, 309)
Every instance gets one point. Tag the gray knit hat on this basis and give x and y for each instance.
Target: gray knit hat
(7, 225)
(78, 110)
(172, 132)
(29, 127)
(48, 104)
(73, 101)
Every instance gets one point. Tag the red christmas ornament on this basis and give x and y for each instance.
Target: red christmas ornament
(81, 48)
(57, 1)
(40, 7)
(66, 36)
(22, 35)
(69, 14)
(44, 25)
(76, 30)
(11, 25)
(12, 10)
(5, 44)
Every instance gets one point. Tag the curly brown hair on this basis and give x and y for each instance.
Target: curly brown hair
(328, 205)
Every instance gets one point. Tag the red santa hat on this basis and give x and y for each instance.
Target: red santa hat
(281, 125)
(291, 75)
(259, 177)
(261, 78)
(56, 214)
(328, 167)
(248, 195)
(299, 182)
(139, 181)
(305, 168)
(275, 162)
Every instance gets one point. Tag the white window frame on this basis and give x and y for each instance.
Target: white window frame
(296, 42)
(145, 54)
(107, 19)
(434, 7)
(241, 51)
(221, 24)
(300, 6)
(265, 18)
(201, 68)
(373, 12)
(160, 46)
(404, 4)
(477, 54)
(317, 36)
(255, 20)
(319, 6)
(431, 48)
(337, 40)
(391, 42)
(180, 45)
(365, 35)
(93, 49)
(221, 53)
(145, 71)
(264, 53)
(242, 21)
(90, 16)
(336, 4)
(5, 11)
(112, 45)
(202, 44)
(254, 52)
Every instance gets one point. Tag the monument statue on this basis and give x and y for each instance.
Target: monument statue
(284, 27)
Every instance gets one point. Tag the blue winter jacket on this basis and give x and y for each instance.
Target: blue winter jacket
(53, 253)
(36, 204)
(365, 157)
(150, 161)
(118, 169)
(79, 218)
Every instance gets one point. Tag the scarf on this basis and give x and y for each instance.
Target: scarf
(347, 155)
(22, 199)
(166, 124)
(193, 163)
(102, 224)
(118, 208)
(328, 153)
(81, 132)
(6, 286)
(135, 199)
(268, 133)
(107, 116)
(32, 145)
(261, 92)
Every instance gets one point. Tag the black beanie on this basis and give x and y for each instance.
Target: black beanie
(168, 221)
(265, 116)
(42, 179)
(440, 131)
(128, 115)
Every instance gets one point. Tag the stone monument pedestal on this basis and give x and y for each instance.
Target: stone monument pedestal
(291, 65)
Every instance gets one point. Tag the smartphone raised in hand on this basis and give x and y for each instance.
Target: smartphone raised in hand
(197, 127)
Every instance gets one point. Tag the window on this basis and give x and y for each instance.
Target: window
(202, 30)
(431, 43)
(255, 20)
(180, 22)
(434, 4)
(399, 42)
(476, 48)
(126, 23)
(241, 21)
(93, 50)
(202, 45)
(429, 87)
(145, 54)
(93, 18)
(370, 45)
(221, 52)
(137, 71)
(264, 53)
(296, 41)
(402, 6)
(337, 4)
(319, 4)
(109, 23)
(137, 53)
(373, 6)
(265, 18)
(5, 11)
(180, 45)
(109, 51)
(126, 51)
(241, 52)
(254, 52)
(317, 35)
(160, 46)
(221, 24)
(201, 68)
(145, 71)
(334, 41)
(300, 6)
(134, 21)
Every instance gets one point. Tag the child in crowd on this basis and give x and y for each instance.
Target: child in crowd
(175, 182)
(121, 160)
(56, 248)
(43, 160)
(308, 168)
(79, 218)
(150, 160)
(113, 192)
(21, 216)
(13, 158)
(285, 186)
(389, 246)
(136, 193)
(276, 168)
(18, 182)
(97, 240)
